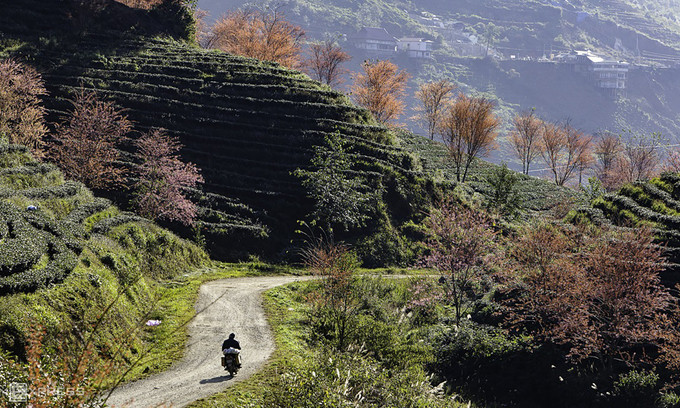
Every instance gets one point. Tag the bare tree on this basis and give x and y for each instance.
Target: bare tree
(324, 62)
(564, 149)
(434, 98)
(524, 138)
(380, 89)
(641, 156)
(608, 149)
(468, 129)
(258, 34)
(672, 163)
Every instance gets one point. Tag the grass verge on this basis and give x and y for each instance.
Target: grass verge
(175, 310)
(285, 311)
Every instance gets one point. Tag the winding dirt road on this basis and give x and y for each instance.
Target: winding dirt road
(231, 305)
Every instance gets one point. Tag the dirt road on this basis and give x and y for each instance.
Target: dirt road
(199, 373)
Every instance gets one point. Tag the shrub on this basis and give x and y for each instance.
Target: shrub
(386, 247)
(504, 199)
(483, 361)
(332, 379)
(637, 388)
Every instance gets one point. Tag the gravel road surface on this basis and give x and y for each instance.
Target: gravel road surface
(231, 305)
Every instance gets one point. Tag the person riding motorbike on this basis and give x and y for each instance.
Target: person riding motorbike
(231, 348)
(231, 342)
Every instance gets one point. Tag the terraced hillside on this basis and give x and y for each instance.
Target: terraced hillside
(654, 204)
(45, 221)
(65, 254)
(537, 195)
(247, 124)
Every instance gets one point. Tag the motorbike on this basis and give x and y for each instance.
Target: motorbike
(231, 361)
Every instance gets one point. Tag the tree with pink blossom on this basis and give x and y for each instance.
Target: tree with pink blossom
(459, 241)
(163, 178)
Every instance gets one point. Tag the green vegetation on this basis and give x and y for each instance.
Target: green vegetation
(654, 204)
(523, 314)
(176, 300)
(305, 371)
(258, 123)
(535, 195)
(67, 256)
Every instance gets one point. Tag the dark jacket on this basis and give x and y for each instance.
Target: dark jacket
(231, 343)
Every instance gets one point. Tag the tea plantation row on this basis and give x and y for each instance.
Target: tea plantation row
(247, 124)
(44, 221)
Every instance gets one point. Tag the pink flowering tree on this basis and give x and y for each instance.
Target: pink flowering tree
(85, 147)
(672, 164)
(163, 179)
(459, 240)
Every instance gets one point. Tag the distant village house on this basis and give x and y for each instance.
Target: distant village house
(415, 47)
(607, 74)
(375, 41)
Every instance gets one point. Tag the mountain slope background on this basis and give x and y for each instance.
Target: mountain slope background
(247, 124)
(644, 33)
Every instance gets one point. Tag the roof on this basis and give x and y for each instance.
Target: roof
(373, 33)
(410, 39)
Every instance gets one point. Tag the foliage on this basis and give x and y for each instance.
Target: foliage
(596, 293)
(277, 117)
(504, 199)
(434, 98)
(537, 195)
(335, 306)
(593, 189)
(259, 34)
(468, 130)
(338, 199)
(163, 179)
(458, 239)
(480, 360)
(380, 89)
(86, 146)
(386, 246)
(324, 62)
(21, 115)
(177, 17)
(65, 378)
(637, 388)
(387, 371)
(36, 252)
(332, 379)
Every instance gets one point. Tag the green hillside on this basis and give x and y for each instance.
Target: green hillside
(537, 195)
(654, 204)
(65, 255)
(247, 124)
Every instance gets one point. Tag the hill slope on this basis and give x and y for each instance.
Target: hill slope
(247, 124)
(65, 255)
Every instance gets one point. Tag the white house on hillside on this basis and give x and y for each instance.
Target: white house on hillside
(607, 74)
(415, 47)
